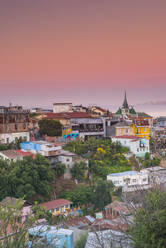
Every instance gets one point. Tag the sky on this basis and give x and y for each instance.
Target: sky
(86, 52)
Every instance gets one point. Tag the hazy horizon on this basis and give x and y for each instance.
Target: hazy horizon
(83, 52)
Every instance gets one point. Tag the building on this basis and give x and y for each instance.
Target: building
(161, 121)
(157, 175)
(14, 155)
(108, 238)
(42, 147)
(80, 108)
(97, 111)
(129, 180)
(57, 207)
(139, 147)
(69, 159)
(62, 107)
(13, 124)
(25, 211)
(54, 237)
(125, 111)
(89, 127)
(123, 128)
(141, 129)
(115, 210)
(146, 117)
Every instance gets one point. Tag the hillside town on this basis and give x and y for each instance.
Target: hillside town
(77, 175)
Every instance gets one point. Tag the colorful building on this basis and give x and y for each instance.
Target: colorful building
(141, 129)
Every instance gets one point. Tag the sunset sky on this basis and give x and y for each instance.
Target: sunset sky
(83, 51)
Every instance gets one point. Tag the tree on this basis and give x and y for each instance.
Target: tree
(13, 228)
(26, 178)
(78, 170)
(50, 127)
(101, 195)
(149, 228)
(79, 195)
(59, 169)
(5, 147)
(104, 156)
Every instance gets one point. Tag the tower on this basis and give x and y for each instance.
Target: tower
(125, 106)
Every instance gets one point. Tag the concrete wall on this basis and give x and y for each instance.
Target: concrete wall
(62, 107)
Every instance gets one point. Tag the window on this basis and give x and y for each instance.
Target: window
(137, 149)
(126, 130)
(144, 180)
(144, 129)
(116, 182)
(16, 127)
(134, 180)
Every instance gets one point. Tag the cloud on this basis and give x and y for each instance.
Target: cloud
(159, 102)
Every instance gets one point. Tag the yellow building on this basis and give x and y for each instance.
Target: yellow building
(123, 128)
(141, 129)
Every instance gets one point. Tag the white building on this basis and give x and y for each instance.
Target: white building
(139, 147)
(69, 159)
(62, 107)
(157, 175)
(7, 138)
(44, 148)
(129, 180)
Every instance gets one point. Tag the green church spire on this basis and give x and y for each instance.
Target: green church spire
(125, 103)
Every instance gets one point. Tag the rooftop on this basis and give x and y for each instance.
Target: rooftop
(125, 173)
(11, 154)
(143, 114)
(67, 115)
(119, 206)
(55, 204)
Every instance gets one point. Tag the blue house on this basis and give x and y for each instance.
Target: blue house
(59, 238)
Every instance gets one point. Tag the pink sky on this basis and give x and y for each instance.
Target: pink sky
(82, 51)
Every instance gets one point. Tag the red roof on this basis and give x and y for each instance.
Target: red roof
(126, 137)
(67, 115)
(55, 204)
(25, 154)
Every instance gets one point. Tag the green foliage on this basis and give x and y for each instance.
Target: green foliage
(149, 229)
(78, 171)
(25, 178)
(101, 195)
(147, 156)
(80, 243)
(11, 219)
(5, 147)
(59, 169)
(79, 195)
(97, 195)
(104, 156)
(50, 127)
(156, 161)
(148, 162)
